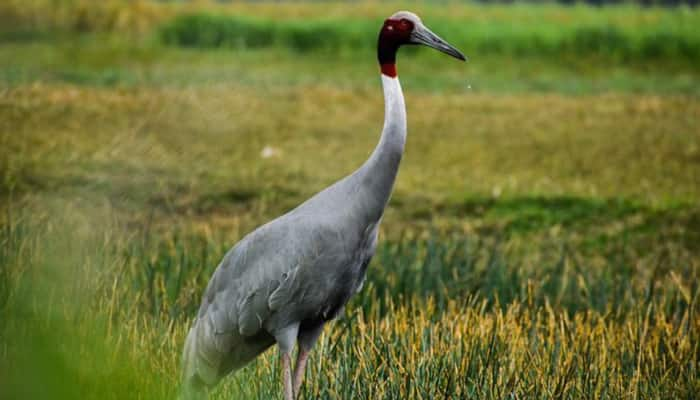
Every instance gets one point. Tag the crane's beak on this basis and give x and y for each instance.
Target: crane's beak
(423, 35)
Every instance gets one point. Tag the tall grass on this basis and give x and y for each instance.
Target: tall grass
(99, 312)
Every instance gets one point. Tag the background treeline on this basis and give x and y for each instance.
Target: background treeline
(669, 3)
(646, 3)
(512, 38)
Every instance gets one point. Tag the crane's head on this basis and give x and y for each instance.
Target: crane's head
(405, 27)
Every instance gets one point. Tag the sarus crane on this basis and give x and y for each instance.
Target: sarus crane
(282, 282)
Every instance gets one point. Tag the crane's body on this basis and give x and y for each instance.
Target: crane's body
(282, 282)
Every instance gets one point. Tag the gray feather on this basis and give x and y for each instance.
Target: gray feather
(283, 294)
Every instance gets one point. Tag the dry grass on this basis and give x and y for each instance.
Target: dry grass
(196, 140)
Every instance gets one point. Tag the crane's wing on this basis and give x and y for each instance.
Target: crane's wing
(268, 280)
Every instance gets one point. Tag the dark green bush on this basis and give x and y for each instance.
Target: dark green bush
(203, 30)
(605, 40)
(669, 45)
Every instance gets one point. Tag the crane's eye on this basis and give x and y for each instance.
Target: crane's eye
(405, 25)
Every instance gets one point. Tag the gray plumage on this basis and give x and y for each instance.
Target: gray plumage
(285, 280)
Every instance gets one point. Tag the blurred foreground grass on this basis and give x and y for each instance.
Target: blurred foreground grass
(538, 244)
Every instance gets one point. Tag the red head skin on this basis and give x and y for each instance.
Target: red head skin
(394, 33)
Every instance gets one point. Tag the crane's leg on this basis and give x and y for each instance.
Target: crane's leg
(307, 339)
(287, 376)
(299, 370)
(285, 338)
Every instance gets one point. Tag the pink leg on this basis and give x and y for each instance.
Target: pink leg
(287, 376)
(306, 341)
(299, 369)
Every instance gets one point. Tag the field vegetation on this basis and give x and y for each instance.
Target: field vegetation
(542, 240)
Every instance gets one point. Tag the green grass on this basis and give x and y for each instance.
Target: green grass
(542, 240)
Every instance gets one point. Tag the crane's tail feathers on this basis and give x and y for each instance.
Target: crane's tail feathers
(193, 387)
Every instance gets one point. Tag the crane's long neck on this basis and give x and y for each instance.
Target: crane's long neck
(379, 171)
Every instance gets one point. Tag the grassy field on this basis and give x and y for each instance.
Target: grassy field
(542, 240)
